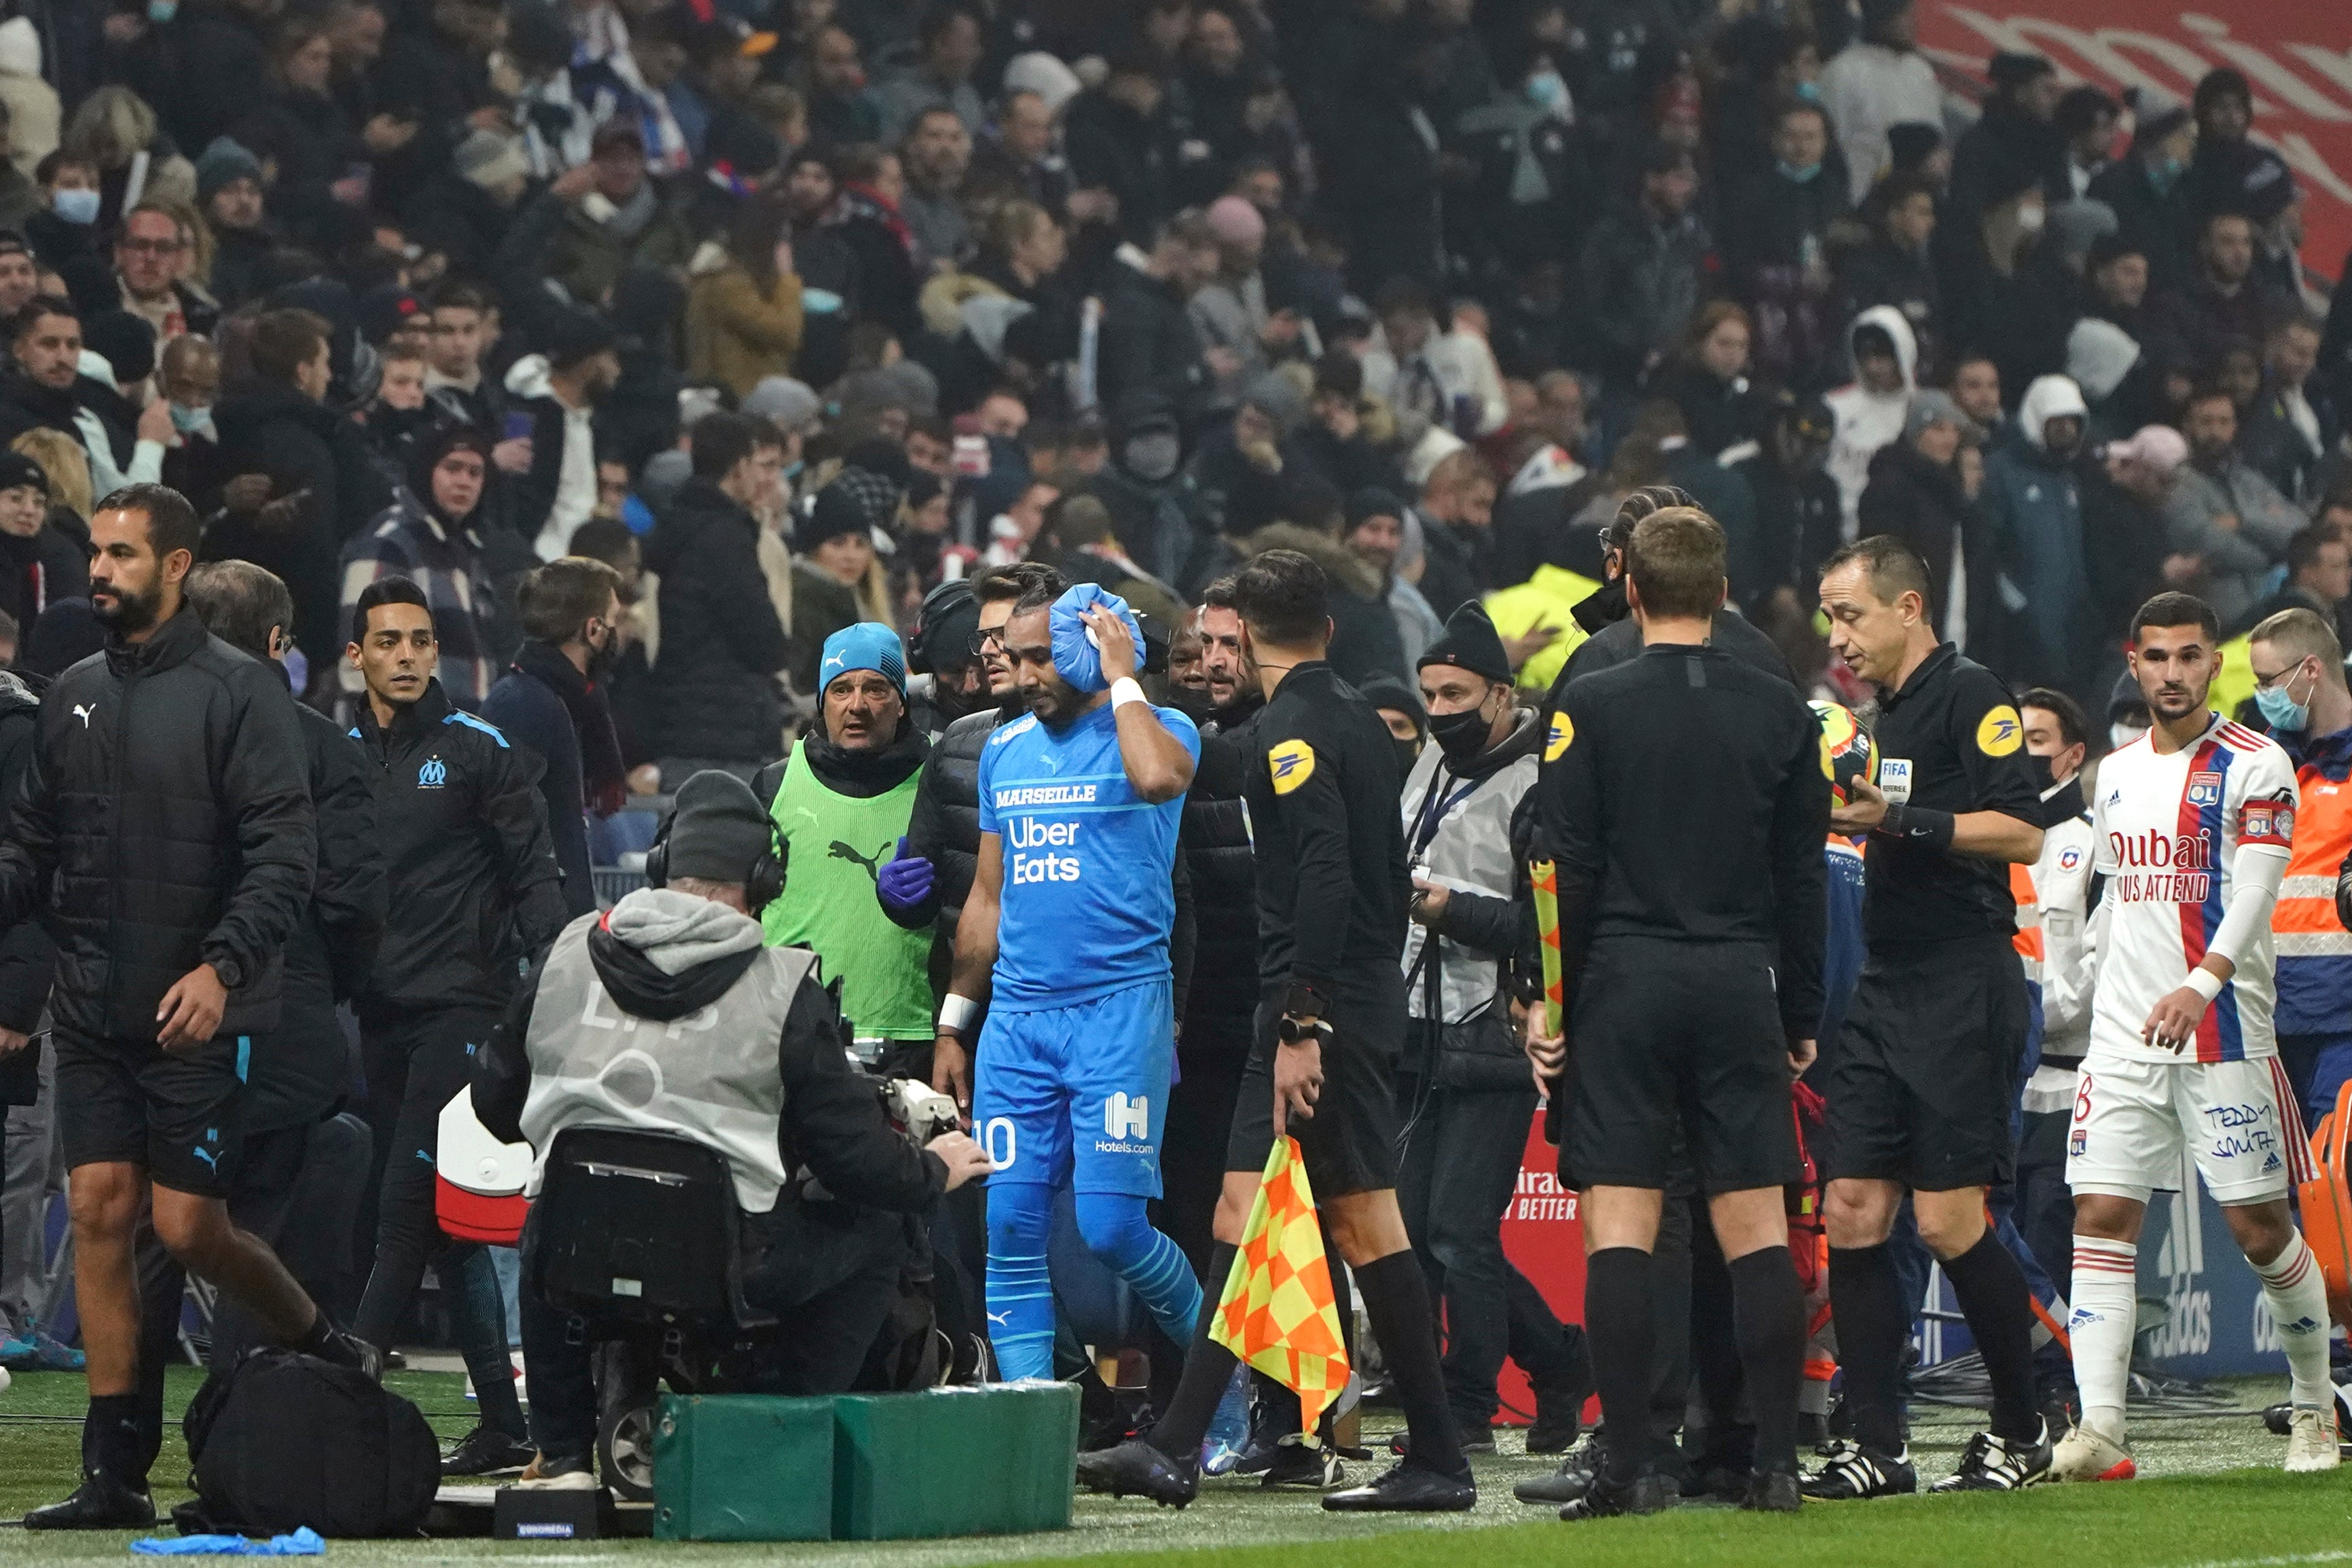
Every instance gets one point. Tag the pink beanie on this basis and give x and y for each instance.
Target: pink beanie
(1235, 222)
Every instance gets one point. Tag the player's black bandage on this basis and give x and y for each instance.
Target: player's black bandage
(1919, 823)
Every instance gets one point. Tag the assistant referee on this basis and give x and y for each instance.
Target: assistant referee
(1693, 917)
(1925, 1073)
(1332, 889)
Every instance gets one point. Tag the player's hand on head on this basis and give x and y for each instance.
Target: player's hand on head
(1113, 640)
(964, 1158)
(1864, 808)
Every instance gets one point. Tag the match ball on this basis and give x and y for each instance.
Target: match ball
(1847, 752)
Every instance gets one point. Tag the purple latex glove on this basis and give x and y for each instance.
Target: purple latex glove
(905, 883)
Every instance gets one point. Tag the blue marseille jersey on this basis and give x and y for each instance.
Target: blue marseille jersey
(1088, 902)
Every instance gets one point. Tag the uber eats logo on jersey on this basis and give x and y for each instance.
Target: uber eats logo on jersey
(1026, 834)
(2001, 732)
(1557, 738)
(432, 775)
(1292, 763)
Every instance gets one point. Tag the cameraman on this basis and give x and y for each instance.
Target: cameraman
(770, 1072)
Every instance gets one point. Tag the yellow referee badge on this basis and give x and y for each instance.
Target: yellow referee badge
(1557, 738)
(2001, 731)
(1292, 763)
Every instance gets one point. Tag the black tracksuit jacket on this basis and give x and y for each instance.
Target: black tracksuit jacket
(475, 890)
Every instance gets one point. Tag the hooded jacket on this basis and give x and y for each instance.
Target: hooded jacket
(2032, 505)
(446, 557)
(1866, 420)
(474, 881)
(164, 822)
(715, 690)
(1457, 824)
(663, 956)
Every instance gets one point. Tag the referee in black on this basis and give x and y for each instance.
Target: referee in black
(1693, 915)
(1332, 891)
(1925, 1070)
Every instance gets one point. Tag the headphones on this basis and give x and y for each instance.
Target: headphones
(762, 884)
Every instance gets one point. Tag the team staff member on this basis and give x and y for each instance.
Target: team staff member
(1692, 915)
(298, 1073)
(1922, 1087)
(1333, 893)
(2055, 898)
(475, 890)
(841, 801)
(165, 834)
(2298, 668)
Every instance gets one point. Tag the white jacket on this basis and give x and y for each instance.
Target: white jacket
(1866, 420)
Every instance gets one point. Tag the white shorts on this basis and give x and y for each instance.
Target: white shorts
(2237, 1119)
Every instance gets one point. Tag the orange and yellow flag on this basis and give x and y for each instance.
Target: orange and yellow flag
(1277, 1313)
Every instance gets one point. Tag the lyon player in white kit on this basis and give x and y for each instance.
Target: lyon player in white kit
(2191, 823)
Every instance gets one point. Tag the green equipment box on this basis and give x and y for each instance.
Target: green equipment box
(743, 1467)
(954, 1461)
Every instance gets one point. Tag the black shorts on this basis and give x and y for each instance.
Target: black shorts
(1349, 1144)
(175, 1114)
(1925, 1073)
(1682, 1065)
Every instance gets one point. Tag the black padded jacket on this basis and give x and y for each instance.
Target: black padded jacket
(164, 822)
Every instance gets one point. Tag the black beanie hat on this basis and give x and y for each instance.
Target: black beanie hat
(837, 510)
(1370, 502)
(1472, 643)
(718, 832)
(1385, 691)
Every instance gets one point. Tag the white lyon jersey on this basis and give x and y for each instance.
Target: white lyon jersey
(2166, 829)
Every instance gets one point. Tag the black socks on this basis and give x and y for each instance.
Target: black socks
(1997, 1303)
(1768, 1318)
(1208, 1369)
(111, 1439)
(1871, 1324)
(1396, 1299)
(1617, 1321)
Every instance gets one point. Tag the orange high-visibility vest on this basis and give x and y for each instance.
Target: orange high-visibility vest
(2314, 951)
(2028, 940)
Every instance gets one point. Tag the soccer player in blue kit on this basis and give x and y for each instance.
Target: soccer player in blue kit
(1066, 938)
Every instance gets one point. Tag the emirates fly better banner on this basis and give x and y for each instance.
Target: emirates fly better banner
(2297, 53)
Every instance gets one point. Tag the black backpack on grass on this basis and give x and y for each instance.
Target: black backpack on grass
(286, 1440)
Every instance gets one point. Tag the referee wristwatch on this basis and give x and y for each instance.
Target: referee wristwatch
(1302, 1016)
(231, 972)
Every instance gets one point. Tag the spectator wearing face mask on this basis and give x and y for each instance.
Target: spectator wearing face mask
(2149, 194)
(1154, 509)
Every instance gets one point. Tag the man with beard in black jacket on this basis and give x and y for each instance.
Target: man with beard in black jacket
(164, 830)
(475, 888)
(299, 1150)
(553, 701)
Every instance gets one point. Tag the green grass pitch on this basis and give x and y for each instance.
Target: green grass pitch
(2212, 1497)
